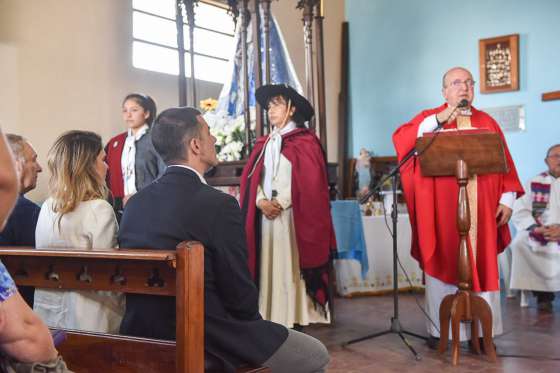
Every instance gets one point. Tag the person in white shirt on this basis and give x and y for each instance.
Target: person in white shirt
(534, 251)
(77, 215)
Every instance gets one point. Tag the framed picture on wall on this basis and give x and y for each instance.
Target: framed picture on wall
(499, 64)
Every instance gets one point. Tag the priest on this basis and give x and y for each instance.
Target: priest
(534, 251)
(432, 205)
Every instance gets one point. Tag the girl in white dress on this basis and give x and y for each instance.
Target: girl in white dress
(285, 180)
(77, 215)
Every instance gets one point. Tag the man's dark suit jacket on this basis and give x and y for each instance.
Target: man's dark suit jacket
(179, 207)
(20, 231)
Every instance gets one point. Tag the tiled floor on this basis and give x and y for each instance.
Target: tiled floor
(526, 332)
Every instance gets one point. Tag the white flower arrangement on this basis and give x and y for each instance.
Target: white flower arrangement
(228, 131)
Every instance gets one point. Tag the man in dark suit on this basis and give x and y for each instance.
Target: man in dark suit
(20, 227)
(180, 206)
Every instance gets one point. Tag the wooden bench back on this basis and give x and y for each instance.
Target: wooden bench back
(177, 273)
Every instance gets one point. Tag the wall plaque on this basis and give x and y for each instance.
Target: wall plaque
(510, 118)
(499, 64)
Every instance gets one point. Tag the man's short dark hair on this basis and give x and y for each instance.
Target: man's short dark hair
(172, 129)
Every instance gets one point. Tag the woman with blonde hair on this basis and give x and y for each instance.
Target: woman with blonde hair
(77, 215)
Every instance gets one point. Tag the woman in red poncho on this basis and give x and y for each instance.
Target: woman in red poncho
(284, 194)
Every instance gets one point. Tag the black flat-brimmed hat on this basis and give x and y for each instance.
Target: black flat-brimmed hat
(266, 92)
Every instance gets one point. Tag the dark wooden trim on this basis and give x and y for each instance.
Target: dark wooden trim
(119, 254)
(308, 44)
(244, 17)
(256, 27)
(190, 313)
(189, 8)
(550, 96)
(343, 181)
(320, 62)
(182, 79)
(226, 174)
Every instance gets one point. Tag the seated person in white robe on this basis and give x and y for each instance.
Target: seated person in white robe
(535, 252)
(77, 215)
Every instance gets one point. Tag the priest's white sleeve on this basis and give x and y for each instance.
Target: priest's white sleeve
(507, 199)
(427, 125)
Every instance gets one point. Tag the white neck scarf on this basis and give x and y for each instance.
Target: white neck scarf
(128, 159)
(272, 156)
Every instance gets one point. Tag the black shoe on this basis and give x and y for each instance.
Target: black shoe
(432, 342)
(298, 328)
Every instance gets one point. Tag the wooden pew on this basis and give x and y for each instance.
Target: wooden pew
(177, 273)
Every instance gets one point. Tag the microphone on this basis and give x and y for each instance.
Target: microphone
(462, 104)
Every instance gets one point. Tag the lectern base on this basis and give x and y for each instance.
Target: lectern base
(464, 306)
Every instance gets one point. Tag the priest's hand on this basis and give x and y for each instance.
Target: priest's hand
(448, 115)
(270, 209)
(503, 214)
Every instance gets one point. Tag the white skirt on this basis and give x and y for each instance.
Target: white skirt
(283, 298)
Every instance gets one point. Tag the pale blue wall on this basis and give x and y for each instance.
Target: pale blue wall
(399, 49)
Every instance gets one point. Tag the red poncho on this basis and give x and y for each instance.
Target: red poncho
(311, 208)
(432, 206)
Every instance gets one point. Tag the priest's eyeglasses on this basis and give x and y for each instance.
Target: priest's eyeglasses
(459, 83)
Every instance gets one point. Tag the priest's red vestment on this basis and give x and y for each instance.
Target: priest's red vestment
(432, 207)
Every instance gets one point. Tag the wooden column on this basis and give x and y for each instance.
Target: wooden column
(266, 31)
(244, 17)
(463, 226)
(344, 176)
(307, 6)
(182, 81)
(320, 111)
(257, 67)
(189, 287)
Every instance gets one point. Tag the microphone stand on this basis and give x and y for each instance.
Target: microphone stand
(395, 322)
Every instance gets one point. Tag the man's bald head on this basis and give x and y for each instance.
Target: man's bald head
(444, 82)
(458, 85)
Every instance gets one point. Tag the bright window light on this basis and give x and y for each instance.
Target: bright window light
(152, 57)
(155, 39)
(164, 8)
(154, 29)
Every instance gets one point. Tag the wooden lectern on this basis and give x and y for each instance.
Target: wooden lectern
(463, 154)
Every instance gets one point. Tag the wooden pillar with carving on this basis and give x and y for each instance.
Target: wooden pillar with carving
(320, 112)
(244, 18)
(465, 306)
(189, 9)
(182, 81)
(266, 31)
(257, 67)
(265, 4)
(307, 6)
